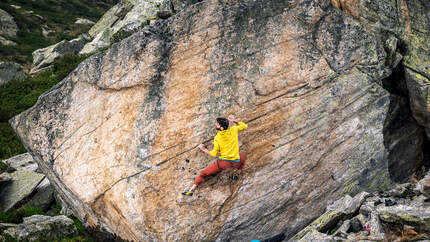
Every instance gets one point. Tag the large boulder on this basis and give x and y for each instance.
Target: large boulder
(114, 136)
(22, 185)
(126, 17)
(43, 58)
(8, 27)
(11, 71)
(41, 228)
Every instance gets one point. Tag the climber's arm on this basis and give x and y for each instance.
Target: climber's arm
(240, 125)
(213, 152)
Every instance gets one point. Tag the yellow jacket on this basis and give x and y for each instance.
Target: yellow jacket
(226, 142)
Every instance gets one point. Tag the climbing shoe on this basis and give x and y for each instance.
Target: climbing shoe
(235, 177)
(187, 193)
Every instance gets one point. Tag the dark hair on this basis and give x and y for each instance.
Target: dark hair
(223, 122)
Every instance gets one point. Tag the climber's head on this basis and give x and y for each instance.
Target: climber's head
(221, 123)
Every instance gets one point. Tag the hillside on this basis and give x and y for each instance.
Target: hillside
(54, 17)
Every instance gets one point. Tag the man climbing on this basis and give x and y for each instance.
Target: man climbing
(226, 142)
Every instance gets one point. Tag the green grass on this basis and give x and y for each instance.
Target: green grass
(58, 15)
(17, 215)
(17, 96)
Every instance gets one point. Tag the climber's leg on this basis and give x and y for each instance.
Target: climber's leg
(212, 169)
(242, 162)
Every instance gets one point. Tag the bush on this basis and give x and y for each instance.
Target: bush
(19, 95)
(16, 215)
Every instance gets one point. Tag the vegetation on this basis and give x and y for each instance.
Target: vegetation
(17, 96)
(55, 15)
(16, 216)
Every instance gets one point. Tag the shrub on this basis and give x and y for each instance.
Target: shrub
(19, 95)
(17, 215)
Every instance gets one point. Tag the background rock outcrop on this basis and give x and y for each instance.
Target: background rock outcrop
(8, 27)
(114, 136)
(11, 71)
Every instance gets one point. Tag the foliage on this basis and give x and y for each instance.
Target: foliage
(58, 16)
(3, 166)
(124, 33)
(17, 215)
(19, 95)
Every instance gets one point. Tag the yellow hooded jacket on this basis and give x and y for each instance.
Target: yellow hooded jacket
(226, 142)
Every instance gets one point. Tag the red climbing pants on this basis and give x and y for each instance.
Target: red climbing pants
(219, 166)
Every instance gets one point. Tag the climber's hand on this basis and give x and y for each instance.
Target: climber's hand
(201, 146)
(231, 118)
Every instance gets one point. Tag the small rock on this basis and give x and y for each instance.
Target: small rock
(15, 6)
(356, 225)
(5, 177)
(39, 227)
(376, 226)
(46, 32)
(342, 231)
(164, 14)
(6, 42)
(84, 21)
(316, 236)
(425, 187)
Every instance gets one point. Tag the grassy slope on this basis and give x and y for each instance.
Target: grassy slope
(58, 15)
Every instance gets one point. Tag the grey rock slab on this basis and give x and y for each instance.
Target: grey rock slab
(405, 214)
(316, 236)
(22, 185)
(44, 195)
(8, 26)
(425, 187)
(375, 225)
(341, 209)
(45, 228)
(131, 16)
(4, 226)
(6, 42)
(22, 162)
(44, 57)
(84, 21)
(11, 71)
(5, 177)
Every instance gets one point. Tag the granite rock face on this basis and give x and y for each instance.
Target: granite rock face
(409, 23)
(113, 137)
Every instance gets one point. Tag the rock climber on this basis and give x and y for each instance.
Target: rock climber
(226, 143)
